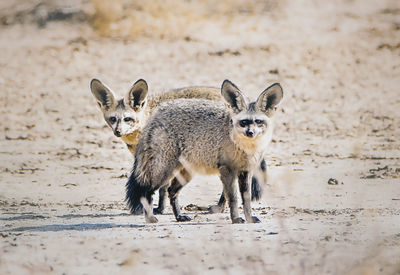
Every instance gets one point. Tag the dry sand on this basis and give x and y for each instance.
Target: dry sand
(63, 172)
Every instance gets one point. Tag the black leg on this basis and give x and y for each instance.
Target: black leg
(173, 191)
(161, 201)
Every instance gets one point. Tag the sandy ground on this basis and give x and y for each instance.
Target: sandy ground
(63, 172)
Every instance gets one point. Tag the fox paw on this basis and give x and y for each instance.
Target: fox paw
(254, 219)
(183, 218)
(238, 220)
(151, 219)
(215, 209)
(158, 211)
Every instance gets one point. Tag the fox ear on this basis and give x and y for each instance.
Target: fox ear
(137, 96)
(233, 96)
(269, 98)
(104, 96)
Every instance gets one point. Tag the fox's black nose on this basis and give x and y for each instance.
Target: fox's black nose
(249, 133)
(117, 133)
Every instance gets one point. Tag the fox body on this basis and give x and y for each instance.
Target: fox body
(194, 135)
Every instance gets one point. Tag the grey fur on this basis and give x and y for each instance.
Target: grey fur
(202, 136)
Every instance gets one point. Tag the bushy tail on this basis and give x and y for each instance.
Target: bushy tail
(134, 192)
(259, 179)
(256, 191)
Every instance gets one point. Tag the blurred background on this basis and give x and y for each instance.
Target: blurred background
(129, 18)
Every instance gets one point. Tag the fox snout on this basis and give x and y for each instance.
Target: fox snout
(117, 133)
(249, 133)
(124, 127)
(252, 127)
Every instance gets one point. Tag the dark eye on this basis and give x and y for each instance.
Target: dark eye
(127, 119)
(259, 121)
(244, 122)
(112, 119)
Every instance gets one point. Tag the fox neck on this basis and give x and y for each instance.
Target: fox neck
(132, 140)
(249, 146)
(253, 147)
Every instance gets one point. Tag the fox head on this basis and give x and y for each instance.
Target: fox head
(251, 121)
(125, 115)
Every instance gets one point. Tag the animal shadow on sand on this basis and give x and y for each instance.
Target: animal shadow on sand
(74, 226)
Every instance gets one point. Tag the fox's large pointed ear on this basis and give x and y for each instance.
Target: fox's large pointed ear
(136, 98)
(104, 96)
(233, 96)
(269, 99)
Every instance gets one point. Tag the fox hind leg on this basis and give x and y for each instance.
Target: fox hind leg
(147, 203)
(173, 191)
(161, 201)
(160, 178)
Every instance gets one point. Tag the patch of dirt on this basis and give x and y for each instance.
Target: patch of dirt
(382, 173)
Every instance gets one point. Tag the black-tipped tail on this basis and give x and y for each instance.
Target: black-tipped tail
(256, 191)
(134, 192)
(256, 188)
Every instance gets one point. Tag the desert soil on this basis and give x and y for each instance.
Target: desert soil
(332, 202)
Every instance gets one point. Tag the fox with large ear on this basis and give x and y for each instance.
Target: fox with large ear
(252, 122)
(252, 129)
(203, 136)
(126, 115)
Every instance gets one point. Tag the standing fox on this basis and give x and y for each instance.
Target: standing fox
(127, 116)
(206, 137)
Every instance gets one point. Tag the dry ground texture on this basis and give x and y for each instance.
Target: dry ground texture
(63, 172)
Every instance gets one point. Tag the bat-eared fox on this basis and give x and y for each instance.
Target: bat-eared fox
(203, 136)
